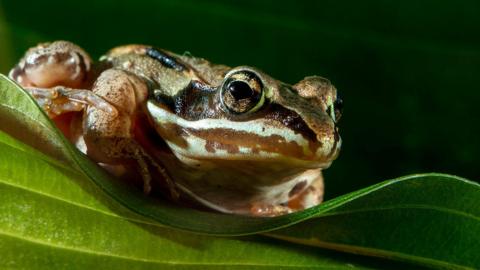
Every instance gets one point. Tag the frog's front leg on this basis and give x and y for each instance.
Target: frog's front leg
(59, 100)
(110, 138)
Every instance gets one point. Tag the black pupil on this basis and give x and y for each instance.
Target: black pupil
(240, 90)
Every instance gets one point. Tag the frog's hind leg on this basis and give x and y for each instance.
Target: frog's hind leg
(51, 64)
(56, 75)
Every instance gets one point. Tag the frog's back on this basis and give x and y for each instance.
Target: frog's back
(170, 70)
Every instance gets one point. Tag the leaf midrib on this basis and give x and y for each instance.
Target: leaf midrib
(404, 206)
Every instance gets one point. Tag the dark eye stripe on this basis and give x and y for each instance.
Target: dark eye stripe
(165, 59)
(290, 119)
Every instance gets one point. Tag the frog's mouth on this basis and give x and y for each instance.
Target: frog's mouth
(255, 140)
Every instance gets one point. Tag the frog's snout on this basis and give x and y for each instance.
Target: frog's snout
(321, 113)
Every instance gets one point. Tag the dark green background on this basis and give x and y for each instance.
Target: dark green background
(407, 70)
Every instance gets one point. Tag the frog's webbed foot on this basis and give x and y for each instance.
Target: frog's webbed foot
(59, 100)
(142, 157)
(269, 210)
(311, 196)
(111, 153)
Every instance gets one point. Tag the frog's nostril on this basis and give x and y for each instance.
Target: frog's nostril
(338, 108)
(334, 110)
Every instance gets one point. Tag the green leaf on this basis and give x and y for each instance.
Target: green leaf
(430, 219)
(52, 217)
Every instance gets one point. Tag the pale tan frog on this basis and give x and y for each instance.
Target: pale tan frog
(233, 139)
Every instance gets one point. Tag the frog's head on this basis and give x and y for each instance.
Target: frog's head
(249, 116)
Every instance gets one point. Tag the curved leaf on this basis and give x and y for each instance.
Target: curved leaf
(53, 217)
(431, 219)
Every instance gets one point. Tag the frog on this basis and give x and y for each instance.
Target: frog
(231, 139)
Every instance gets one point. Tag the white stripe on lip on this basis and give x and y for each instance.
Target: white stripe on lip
(162, 117)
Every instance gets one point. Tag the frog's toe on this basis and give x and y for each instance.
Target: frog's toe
(59, 100)
(269, 210)
(309, 197)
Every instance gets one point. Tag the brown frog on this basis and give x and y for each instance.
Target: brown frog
(233, 139)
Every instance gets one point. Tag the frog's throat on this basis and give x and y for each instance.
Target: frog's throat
(240, 195)
(234, 140)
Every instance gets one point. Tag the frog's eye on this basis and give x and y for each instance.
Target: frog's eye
(242, 92)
